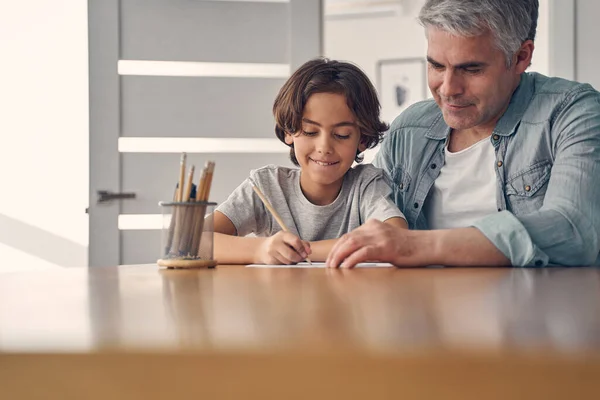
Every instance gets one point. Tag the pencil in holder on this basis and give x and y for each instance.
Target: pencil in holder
(187, 235)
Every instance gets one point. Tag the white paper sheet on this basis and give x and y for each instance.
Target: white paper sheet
(319, 265)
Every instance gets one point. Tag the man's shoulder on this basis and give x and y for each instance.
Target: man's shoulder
(422, 114)
(555, 85)
(559, 91)
(552, 95)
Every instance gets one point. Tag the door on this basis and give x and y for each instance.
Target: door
(168, 76)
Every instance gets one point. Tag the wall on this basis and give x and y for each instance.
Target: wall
(44, 130)
(587, 34)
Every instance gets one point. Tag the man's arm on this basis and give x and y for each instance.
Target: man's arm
(565, 229)
(320, 249)
(403, 247)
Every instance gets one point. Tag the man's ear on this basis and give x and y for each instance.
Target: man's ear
(289, 140)
(524, 56)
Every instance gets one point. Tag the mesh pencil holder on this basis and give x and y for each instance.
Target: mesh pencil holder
(187, 235)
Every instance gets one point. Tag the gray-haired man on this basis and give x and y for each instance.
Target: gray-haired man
(503, 167)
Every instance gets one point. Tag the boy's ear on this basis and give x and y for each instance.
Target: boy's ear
(362, 146)
(289, 140)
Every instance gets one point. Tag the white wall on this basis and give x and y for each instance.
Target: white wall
(44, 131)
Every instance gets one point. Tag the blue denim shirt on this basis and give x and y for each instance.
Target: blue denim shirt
(547, 147)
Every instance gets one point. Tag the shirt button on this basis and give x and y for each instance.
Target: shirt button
(499, 163)
(433, 166)
(416, 205)
(496, 137)
(527, 188)
(401, 186)
(499, 209)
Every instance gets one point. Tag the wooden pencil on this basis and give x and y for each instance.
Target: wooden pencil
(176, 198)
(187, 216)
(181, 176)
(202, 192)
(272, 211)
(177, 211)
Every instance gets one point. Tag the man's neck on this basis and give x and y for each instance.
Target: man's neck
(463, 139)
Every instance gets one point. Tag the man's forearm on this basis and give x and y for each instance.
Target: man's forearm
(454, 247)
(235, 249)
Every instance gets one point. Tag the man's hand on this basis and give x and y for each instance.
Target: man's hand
(282, 248)
(373, 241)
(377, 241)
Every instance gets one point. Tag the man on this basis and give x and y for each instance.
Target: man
(503, 167)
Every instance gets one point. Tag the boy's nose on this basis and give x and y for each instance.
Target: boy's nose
(324, 146)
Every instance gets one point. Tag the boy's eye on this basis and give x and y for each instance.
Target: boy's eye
(305, 133)
(339, 136)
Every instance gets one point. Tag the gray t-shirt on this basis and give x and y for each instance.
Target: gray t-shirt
(365, 194)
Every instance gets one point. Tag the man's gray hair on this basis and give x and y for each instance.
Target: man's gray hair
(511, 22)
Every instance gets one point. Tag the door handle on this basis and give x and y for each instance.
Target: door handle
(105, 196)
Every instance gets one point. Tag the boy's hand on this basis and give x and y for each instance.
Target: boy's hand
(282, 248)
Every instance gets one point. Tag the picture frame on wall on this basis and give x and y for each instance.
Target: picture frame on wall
(400, 83)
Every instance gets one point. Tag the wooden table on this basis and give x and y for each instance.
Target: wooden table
(139, 332)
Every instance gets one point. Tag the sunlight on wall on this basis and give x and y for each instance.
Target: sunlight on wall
(44, 128)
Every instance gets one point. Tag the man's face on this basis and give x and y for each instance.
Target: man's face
(469, 79)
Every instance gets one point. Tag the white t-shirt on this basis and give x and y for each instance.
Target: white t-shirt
(465, 190)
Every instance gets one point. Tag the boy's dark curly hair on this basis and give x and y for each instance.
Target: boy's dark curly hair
(322, 75)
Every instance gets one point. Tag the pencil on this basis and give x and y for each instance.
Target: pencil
(272, 211)
(172, 236)
(186, 219)
(181, 176)
(200, 210)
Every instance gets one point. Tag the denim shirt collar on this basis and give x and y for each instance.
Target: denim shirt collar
(509, 121)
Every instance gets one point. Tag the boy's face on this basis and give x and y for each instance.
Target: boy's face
(326, 145)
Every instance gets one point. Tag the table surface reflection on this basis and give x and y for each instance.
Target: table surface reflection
(493, 314)
(232, 307)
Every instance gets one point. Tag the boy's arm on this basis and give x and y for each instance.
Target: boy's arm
(281, 248)
(230, 248)
(320, 249)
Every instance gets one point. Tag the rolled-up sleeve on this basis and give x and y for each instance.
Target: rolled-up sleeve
(565, 229)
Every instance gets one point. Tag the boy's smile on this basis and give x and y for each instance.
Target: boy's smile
(326, 146)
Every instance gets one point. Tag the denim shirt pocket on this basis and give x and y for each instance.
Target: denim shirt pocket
(525, 190)
(401, 179)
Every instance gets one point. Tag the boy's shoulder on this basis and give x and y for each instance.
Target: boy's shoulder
(271, 172)
(365, 173)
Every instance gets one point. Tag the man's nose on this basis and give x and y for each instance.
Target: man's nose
(452, 84)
